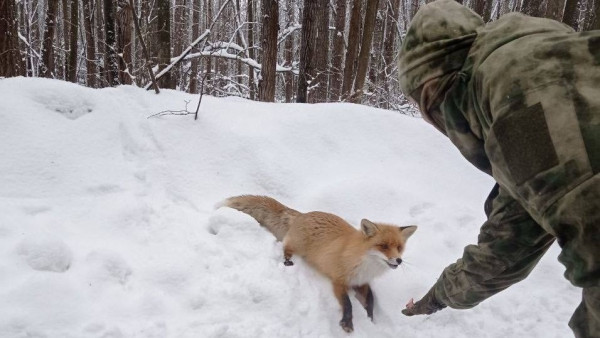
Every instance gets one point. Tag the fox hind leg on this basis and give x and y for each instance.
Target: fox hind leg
(364, 294)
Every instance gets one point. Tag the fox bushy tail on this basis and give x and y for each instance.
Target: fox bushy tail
(271, 214)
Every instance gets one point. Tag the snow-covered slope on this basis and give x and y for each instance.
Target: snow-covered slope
(107, 226)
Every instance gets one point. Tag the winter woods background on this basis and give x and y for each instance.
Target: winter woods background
(267, 50)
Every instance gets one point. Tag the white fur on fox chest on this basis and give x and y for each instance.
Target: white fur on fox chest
(371, 266)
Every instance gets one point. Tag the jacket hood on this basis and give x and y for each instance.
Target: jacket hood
(437, 43)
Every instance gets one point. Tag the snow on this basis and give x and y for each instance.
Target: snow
(107, 226)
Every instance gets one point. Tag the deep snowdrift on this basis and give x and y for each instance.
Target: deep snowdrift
(107, 227)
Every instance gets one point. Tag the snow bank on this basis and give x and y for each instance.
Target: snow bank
(107, 227)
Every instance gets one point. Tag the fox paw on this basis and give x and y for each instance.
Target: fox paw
(347, 325)
(287, 262)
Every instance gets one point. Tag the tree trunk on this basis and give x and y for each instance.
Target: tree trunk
(321, 75)
(389, 45)
(251, 54)
(90, 44)
(179, 35)
(352, 50)
(289, 56)
(487, 11)
(62, 40)
(505, 6)
(339, 46)
(270, 28)
(100, 40)
(554, 9)
(414, 7)
(365, 50)
(47, 66)
(73, 39)
(478, 6)
(532, 8)
(376, 60)
(111, 62)
(125, 43)
(571, 15)
(11, 63)
(307, 50)
(195, 34)
(164, 41)
(595, 21)
(208, 71)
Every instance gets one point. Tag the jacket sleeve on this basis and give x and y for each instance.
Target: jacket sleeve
(509, 246)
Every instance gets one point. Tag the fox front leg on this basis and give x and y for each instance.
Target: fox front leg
(341, 293)
(364, 294)
(287, 254)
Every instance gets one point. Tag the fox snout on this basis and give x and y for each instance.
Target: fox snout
(394, 262)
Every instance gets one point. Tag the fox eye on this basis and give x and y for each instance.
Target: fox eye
(383, 246)
(399, 248)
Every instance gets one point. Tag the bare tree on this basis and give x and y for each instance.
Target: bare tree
(595, 22)
(100, 39)
(414, 7)
(73, 39)
(195, 33)
(125, 43)
(352, 50)
(208, 72)
(270, 28)
(554, 9)
(320, 78)
(11, 63)
(307, 49)
(478, 6)
(164, 41)
(63, 34)
(90, 44)
(389, 45)
(532, 8)
(571, 15)
(339, 46)
(47, 65)
(110, 59)
(289, 55)
(365, 49)
(250, 22)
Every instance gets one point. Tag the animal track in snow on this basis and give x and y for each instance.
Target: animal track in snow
(46, 254)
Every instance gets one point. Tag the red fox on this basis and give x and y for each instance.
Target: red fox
(348, 257)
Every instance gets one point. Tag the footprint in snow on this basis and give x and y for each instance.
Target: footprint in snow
(46, 254)
(419, 209)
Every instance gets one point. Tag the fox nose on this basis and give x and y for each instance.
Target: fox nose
(399, 261)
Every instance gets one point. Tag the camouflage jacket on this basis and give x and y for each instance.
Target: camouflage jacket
(524, 106)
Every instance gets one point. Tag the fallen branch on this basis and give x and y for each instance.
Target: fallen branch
(248, 61)
(181, 57)
(190, 47)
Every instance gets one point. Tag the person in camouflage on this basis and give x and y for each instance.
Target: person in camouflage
(520, 98)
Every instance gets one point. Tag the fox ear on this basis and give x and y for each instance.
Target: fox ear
(408, 231)
(369, 228)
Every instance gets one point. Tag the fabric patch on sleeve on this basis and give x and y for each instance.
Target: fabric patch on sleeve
(525, 143)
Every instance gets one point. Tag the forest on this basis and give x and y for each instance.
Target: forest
(268, 50)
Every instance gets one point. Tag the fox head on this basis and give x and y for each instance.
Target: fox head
(386, 242)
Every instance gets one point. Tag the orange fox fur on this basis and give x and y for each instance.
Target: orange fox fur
(348, 257)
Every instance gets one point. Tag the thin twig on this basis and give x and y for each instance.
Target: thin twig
(174, 112)
(201, 94)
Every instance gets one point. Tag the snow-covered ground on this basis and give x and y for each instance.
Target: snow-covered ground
(107, 226)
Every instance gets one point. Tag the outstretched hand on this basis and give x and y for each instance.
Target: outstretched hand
(425, 306)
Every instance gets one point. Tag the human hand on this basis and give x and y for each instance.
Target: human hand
(426, 306)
